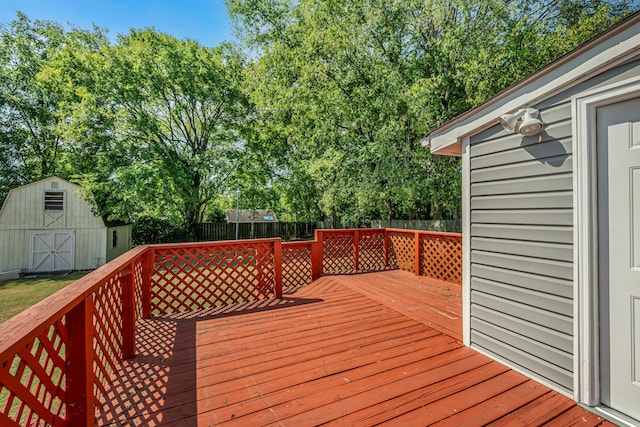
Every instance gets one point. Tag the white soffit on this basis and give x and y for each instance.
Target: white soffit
(600, 54)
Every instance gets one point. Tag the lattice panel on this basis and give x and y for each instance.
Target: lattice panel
(107, 334)
(137, 286)
(265, 264)
(401, 250)
(32, 383)
(371, 250)
(196, 277)
(338, 253)
(296, 267)
(35, 381)
(442, 257)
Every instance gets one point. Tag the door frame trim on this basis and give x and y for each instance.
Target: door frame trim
(466, 242)
(585, 234)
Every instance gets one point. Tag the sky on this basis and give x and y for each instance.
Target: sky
(205, 21)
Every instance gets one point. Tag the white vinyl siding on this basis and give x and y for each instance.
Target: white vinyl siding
(121, 236)
(521, 240)
(521, 247)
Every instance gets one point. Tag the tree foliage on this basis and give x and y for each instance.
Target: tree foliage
(164, 116)
(323, 121)
(30, 139)
(179, 109)
(345, 90)
(39, 112)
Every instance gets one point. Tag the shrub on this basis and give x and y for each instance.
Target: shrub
(147, 230)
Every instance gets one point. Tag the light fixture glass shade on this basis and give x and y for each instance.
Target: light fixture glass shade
(531, 124)
(524, 121)
(530, 127)
(510, 121)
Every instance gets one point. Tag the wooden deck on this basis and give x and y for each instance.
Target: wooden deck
(368, 349)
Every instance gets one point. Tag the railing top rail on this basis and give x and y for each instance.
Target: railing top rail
(25, 326)
(213, 243)
(299, 243)
(347, 230)
(435, 233)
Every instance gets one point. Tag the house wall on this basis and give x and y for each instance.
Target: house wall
(123, 243)
(521, 234)
(23, 211)
(90, 248)
(14, 250)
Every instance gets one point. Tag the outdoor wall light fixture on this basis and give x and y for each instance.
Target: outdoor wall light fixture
(525, 121)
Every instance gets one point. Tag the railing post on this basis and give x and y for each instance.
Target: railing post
(277, 260)
(259, 258)
(317, 261)
(356, 249)
(418, 253)
(385, 248)
(79, 355)
(147, 271)
(128, 313)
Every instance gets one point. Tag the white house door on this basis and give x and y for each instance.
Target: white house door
(618, 133)
(51, 251)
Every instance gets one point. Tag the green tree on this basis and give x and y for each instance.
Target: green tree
(40, 114)
(30, 141)
(345, 89)
(164, 116)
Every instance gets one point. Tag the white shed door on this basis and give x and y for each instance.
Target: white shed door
(51, 251)
(618, 147)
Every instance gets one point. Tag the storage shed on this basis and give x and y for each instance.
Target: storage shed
(551, 223)
(48, 226)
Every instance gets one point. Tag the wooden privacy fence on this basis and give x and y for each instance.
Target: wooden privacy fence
(440, 225)
(227, 231)
(57, 357)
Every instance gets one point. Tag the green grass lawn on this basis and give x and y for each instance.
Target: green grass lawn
(18, 295)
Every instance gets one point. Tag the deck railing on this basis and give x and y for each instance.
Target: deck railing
(57, 357)
(426, 253)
